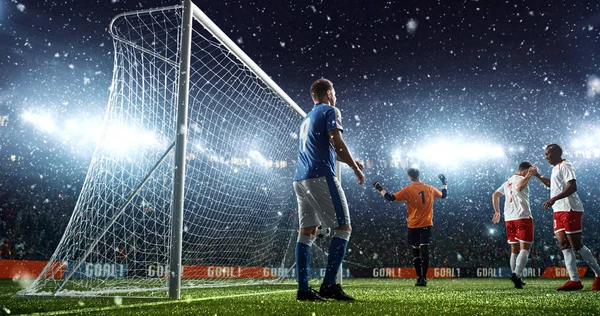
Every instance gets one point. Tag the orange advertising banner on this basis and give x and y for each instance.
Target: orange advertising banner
(25, 269)
(227, 272)
(562, 272)
(22, 269)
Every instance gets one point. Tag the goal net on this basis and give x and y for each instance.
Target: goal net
(239, 219)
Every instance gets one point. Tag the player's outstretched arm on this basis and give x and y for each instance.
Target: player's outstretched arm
(344, 155)
(444, 186)
(532, 171)
(496, 203)
(358, 163)
(383, 192)
(543, 179)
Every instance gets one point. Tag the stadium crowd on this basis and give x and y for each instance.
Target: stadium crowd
(35, 208)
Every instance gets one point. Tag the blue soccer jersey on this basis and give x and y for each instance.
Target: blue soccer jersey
(316, 155)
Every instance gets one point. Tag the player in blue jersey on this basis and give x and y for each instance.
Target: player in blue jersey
(321, 200)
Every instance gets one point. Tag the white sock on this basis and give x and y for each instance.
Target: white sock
(521, 262)
(571, 264)
(588, 257)
(513, 262)
(338, 277)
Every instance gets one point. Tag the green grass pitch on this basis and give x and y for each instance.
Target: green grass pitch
(374, 297)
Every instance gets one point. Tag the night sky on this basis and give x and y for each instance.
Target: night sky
(516, 74)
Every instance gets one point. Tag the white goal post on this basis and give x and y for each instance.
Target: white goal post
(177, 74)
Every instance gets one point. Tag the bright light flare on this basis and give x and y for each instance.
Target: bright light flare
(121, 138)
(43, 122)
(72, 125)
(452, 153)
(117, 137)
(259, 158)
(586, 145)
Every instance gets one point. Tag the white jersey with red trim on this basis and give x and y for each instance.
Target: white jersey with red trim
(516, 203)
(562, 173)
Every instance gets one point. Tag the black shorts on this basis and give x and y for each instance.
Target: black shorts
(419, 236)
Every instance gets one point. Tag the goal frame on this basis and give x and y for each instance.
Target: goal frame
(190, 13)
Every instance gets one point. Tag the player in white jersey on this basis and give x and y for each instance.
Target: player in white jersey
(517, 215)
(568, 211)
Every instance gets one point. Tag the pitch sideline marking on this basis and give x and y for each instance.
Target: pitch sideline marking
(107, 308)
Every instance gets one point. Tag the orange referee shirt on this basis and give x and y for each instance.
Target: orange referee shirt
(419, 203)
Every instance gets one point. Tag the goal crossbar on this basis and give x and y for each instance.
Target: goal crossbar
(239, 53)
(116, 37)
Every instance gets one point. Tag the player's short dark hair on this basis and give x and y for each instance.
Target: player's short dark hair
(524, 165)
(555, 147)
(413, 173)
(319, 88)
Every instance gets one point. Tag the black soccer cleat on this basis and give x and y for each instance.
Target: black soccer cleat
(519, 283)
(418, 282)
(335, 292)
(310, 295)
(513, 278)
(421, 282)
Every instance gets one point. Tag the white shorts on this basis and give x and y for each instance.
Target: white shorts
(321, 201)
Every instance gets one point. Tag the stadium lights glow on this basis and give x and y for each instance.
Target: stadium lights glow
(43, 122)
(121, 138)
(199, 147)
(586, 142)
(452, 153)
(118, 138)
(492, 231)
(258, 157)
(397, 155)
(71, 125)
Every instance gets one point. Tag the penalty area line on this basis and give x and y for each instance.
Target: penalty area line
(149, 304)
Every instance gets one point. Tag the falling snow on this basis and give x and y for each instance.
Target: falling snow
(469, 89)
(411, 26)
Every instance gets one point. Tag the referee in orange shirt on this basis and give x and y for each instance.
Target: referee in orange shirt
(419, 206)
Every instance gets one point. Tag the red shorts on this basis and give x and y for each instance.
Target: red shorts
(570, 222)
(520, 230)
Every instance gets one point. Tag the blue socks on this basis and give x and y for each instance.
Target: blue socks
(337, 251)
(302, 265)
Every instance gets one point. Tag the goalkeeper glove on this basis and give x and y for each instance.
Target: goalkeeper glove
(377, 186)
(442, 178)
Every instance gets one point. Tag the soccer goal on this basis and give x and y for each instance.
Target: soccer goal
(191, 183)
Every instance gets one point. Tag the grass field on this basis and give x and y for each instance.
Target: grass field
(374, 297)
